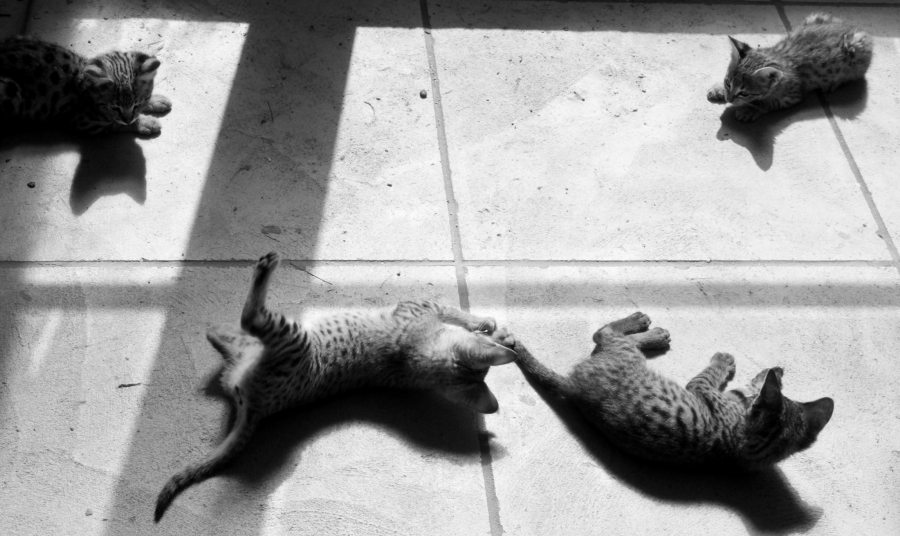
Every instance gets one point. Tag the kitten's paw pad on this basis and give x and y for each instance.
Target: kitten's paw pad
(158, 105)
(633, 323)
(148, 127)
(267, 262)
(487, 325)
(716, 95)
(726, 361)
(745, 114)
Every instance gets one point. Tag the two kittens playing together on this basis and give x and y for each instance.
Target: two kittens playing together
(273, 363)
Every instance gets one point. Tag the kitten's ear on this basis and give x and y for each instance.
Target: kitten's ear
(147, 66)
(818, 413)
(739, 49)
(770, 394)
(475, 396)
(487, 353)
(769, 74)
(95, 72)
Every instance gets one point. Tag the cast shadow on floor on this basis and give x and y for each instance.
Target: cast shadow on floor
(431, 425)
(758, 137)
(765, 501)
(110, 164)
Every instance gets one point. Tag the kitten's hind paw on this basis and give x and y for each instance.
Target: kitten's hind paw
(158, 106)
(716, 94)
(654, 339)
(268, 262)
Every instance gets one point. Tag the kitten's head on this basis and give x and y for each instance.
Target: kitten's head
(120, 84)
(776, 426)
(750, 76)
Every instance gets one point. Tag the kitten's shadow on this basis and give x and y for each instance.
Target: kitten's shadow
(765, 501)
(424, 421)
(110, 164)
(759, 136)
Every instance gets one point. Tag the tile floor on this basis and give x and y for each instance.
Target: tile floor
(554, 164)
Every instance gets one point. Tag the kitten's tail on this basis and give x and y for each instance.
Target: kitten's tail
(244, 424)
(535, 370)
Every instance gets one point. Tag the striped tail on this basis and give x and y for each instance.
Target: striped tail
(535, 370)
(240, 433)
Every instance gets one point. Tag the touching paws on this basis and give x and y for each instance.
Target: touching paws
(487, 326)
(503, 337)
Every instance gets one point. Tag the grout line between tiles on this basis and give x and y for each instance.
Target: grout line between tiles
(487, 471)
(883, 232)
(471, 263)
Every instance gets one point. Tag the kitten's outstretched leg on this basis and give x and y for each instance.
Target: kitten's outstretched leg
(715, 377)
(451, 315)
(654, 339)
(253, 314)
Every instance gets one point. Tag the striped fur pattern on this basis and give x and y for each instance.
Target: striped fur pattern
(273, 363)
(42, 82)
(657, 419)
(822, 54)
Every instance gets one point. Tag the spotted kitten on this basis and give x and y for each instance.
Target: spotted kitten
(272, 363)
(657, 419)
(823, 53)
(112, 92)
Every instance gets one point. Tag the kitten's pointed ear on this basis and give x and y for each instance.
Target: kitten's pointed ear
(475, 396)
(770, 394)
(147, 66)
(770, 74)
(738, 48)
(488, 353)
(818, 413)
(95, 72)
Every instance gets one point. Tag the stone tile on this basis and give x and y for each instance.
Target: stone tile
(588, 136)
(110, 387)
(12, 16)
(833, 328)
(867, 113)
(309, 138)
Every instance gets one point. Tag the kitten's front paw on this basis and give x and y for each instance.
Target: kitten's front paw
(504, 337)
(725, 361)
(147, 127)
(746, 114)
(158, 105)
(267, 262)
(716, 94)
(487, 325)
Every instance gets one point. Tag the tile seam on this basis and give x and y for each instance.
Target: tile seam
(474, 263)
(883, 232)
(487, 472)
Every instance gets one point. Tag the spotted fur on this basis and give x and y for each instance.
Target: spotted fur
(272, 363)
(822, 54)
(113, 92)
(653, 417)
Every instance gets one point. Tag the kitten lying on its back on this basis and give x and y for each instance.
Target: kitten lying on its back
(657, 419)
(823, 53)
(273, 363)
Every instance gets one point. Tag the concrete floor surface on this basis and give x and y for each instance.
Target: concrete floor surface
(554, 164)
